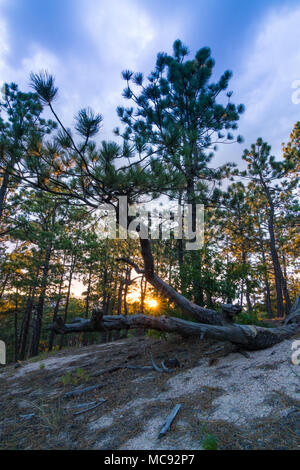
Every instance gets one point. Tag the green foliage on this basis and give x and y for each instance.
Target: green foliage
(210, 442)
(44, 85)
(80, 375)
(66, 379)
(88, 123)
(246, 318)
(156, 334)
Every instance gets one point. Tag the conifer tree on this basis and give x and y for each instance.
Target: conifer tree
(265, 171)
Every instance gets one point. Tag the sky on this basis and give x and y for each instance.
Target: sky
(87, 43)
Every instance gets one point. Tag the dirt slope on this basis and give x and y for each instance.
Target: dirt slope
(244, 403)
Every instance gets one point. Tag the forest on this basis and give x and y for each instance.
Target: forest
(63, 283)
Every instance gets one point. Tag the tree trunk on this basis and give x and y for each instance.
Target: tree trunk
(244, 260)
(87, 300)
(16, 336)
(40, 304)
(56, 309)
(127, 283)
(276, 265)
(280, 283)
(73, 260)
(27, 317)
(218, 326)
(26, 323)
(120, 297)
(267, 284)
(3, 190)
(287, 299)
(143, 289)
(3, 287)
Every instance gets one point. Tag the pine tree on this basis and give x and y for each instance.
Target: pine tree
(264, 171)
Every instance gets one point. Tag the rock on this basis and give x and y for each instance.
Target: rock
(172, 363)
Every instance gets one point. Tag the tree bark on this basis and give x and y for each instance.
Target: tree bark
(73, 261)
(56, 309)
(27, 317)
(3, 287)
(266, 278)
(120, 296)
(244, 261)
(40, 304)
(3, 190)
(87, 300)
(127, 284)
(280, 283)
(16, 336)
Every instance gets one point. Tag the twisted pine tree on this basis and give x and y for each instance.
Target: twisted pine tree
(178, 119)
(170, 135)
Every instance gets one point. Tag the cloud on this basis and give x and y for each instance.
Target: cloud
(115, 35)
(4, 49)
(40, 59)
(263, 81)
(121, 31)
(271, 66)
(123, 35)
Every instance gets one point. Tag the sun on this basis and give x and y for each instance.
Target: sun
(135, 296)
(151, 303)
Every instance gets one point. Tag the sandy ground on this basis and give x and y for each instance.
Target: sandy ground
(244, 403)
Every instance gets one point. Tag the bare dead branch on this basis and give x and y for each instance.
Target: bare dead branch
(169, 421)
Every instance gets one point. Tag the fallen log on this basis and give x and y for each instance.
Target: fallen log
(246, 337)
(294, 315)
(212, 324)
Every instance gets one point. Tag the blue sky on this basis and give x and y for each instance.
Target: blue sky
(87, 43)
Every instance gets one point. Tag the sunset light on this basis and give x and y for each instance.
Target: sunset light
(135, 296)
(151, 303)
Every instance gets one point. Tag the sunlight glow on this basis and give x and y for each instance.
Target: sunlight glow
(151, 303)
(135, 296)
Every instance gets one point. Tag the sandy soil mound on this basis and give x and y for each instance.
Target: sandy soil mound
(234, 401)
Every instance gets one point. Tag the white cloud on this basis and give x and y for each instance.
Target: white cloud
(4, 49)
(271, 66)
(116, 35)
(40, 59)
(263, 82)
(123, 35)
(121, 31)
